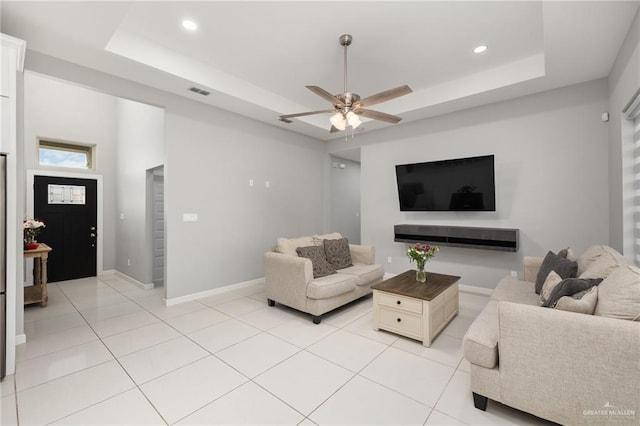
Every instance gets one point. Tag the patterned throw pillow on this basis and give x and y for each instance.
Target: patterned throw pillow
(321, 268)
(337, 253)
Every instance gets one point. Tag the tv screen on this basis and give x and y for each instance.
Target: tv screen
(462, 184)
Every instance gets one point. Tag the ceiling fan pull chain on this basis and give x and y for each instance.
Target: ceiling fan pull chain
(345, 68)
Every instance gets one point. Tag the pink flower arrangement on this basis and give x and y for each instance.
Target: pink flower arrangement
(421, 253)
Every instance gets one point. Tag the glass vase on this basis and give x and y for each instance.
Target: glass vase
(421, 275)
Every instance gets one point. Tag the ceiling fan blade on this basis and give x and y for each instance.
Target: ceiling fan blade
(333, 129)
(326, 95)
(387, 95)
(377, 115)
(300, 114)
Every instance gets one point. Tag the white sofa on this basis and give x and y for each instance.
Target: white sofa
(289, 278)
(567, 367)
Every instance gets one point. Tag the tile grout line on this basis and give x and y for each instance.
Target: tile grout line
(136, 386)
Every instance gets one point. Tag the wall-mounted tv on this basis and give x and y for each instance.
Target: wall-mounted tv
(461, 184)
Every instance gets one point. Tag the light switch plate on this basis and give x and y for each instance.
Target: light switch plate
(189, 217)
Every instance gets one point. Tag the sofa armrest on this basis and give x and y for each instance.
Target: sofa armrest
(531, 268)
(362, 254)
(286, 278)
(560, 365)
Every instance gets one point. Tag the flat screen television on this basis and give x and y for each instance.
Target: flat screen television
(461, 184)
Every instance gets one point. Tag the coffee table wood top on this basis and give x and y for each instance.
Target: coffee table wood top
(405, 284)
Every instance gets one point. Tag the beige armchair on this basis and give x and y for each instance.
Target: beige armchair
(289, 278)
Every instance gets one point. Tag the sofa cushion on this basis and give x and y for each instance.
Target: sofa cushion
(593, 253)
(289, 245)
(511, 289)
(365, 274)
(583, 302)
(553, 279)
(321, 268)
(330, 286)
(552, 262)
(569, 287)
(480, 343)
(619, 294)
(337, 253)
(602, 266)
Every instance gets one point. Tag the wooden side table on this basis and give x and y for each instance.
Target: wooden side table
(37, 293)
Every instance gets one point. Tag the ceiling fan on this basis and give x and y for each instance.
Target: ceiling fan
(347, 107)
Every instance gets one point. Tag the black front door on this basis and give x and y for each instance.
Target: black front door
(68, 207)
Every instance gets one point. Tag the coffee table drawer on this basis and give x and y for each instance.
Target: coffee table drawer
(403, 323)
(400, 302)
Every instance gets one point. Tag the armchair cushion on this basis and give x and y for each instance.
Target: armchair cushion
(337, 253)
(330, 286)
(318, 239)
(289, 245)
(321, 268)
(365, 274)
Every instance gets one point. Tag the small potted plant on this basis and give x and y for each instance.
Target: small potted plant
(32, 228)
(421, 254)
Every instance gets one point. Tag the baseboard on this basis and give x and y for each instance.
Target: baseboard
(107, 272)
(388, 275)
(475, 289)
(213, 292)
(21, 339)
(133, 281)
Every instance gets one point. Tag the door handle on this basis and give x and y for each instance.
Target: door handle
(92, 235)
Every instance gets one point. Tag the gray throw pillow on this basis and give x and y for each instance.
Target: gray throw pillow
(337, 253)
(569, 287)
(552, 262)
(321, 268)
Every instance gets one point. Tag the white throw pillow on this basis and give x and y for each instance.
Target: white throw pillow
(582, 303)
(552, 280)
(619, 294)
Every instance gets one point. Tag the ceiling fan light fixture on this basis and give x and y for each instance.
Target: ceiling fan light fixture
(338, 121)
(353, 119)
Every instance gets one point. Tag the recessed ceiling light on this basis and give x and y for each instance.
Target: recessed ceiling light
(480, 49)
(189, 25)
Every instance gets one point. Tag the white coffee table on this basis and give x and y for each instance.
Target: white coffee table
(413, 309)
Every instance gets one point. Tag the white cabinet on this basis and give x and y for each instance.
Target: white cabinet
(12, 51)
(6, 129)
(5, 70)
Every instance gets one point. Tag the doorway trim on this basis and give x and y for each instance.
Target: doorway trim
(31, 173)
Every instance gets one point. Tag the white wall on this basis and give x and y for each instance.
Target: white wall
(140, 146)
(211, 156)
(58, 110)
(624, 81)
(345, 198)
(551, 178)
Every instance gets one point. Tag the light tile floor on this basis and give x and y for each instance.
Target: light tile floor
(106, 352)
